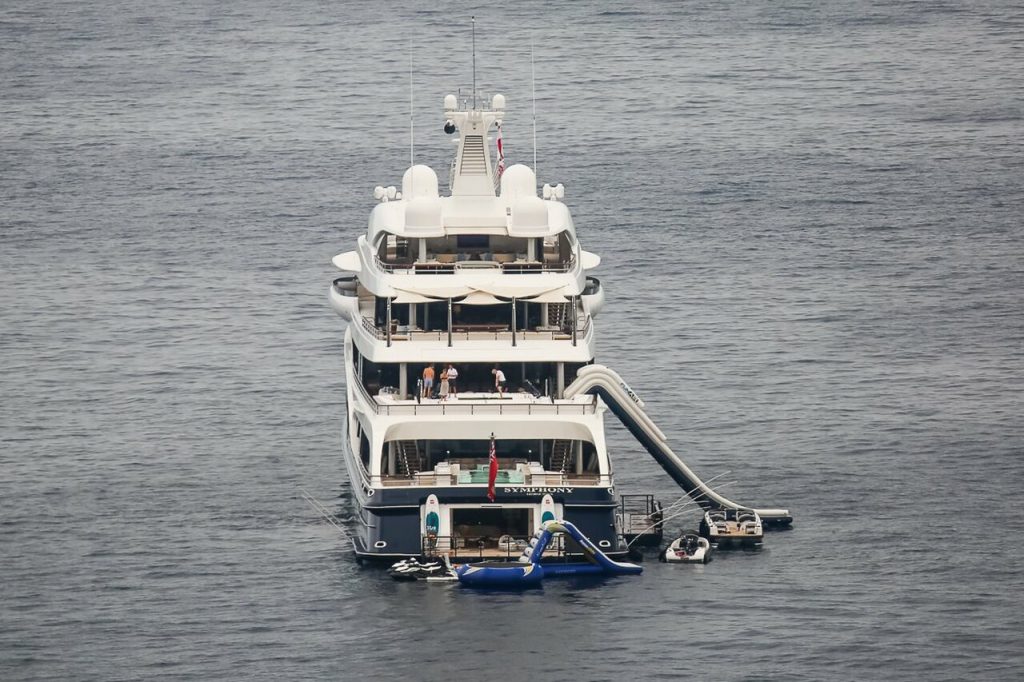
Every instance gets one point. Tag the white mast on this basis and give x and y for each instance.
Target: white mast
(533, 88)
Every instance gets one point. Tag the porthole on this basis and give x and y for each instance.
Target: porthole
(604, 543)
(380, 544)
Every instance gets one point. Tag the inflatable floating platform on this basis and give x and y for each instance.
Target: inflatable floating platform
(529, 572)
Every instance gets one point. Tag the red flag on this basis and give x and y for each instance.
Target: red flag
(492, 474)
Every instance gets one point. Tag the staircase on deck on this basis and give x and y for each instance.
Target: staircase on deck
(561, 455)
(409, 461)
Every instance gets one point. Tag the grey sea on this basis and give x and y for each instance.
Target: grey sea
(809, 215)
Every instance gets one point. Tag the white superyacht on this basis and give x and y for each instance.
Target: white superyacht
(491, 281)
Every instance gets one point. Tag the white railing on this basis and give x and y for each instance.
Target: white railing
(404, 333)
(438, 268)
(552, 478)
(469, 406)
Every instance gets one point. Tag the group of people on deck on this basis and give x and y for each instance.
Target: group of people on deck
(449, 382)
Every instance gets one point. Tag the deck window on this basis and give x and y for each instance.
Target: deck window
(489, 524)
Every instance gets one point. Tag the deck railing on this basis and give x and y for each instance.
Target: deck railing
(470, 407)
(404, 333)
(430, 479)
(465, 548)
(465, 408)
(509, 268)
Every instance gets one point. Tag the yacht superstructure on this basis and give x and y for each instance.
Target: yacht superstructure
(488, 282)
(490, 277)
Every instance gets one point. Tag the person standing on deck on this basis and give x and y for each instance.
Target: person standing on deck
(499, 380)
(428, 380)
(445, 386)
(453, 375)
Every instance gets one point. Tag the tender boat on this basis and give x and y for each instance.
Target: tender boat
(689, 548)
(732, 527)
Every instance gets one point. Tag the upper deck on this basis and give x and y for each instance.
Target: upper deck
(493, 236)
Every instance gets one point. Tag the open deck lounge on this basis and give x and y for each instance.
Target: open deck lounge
(458, 461)
(474, 473)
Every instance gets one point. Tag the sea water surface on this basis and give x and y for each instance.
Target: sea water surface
(809, 216)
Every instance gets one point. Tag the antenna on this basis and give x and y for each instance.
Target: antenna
(412, 122)
(533, 87)
(474, 61)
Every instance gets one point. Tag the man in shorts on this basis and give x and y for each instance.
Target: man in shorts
(428, 381)
(499, 380)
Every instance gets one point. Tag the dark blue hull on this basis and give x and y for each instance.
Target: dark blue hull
(389, 522)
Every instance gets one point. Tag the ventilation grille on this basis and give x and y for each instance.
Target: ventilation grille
(473, 160)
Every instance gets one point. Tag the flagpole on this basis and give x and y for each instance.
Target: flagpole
(412, 119)
(492, 469)
(474, 61)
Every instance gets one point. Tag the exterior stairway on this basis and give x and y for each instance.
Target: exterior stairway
(558, 315)
(561, 455)
(409, 462)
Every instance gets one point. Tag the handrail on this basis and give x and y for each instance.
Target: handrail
(366, 394)
(475, 546)
(583, 328)
(466, 406)
(428, 479)
(438, 268)
(374, 330)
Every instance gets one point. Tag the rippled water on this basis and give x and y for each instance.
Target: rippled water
(809, 215)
